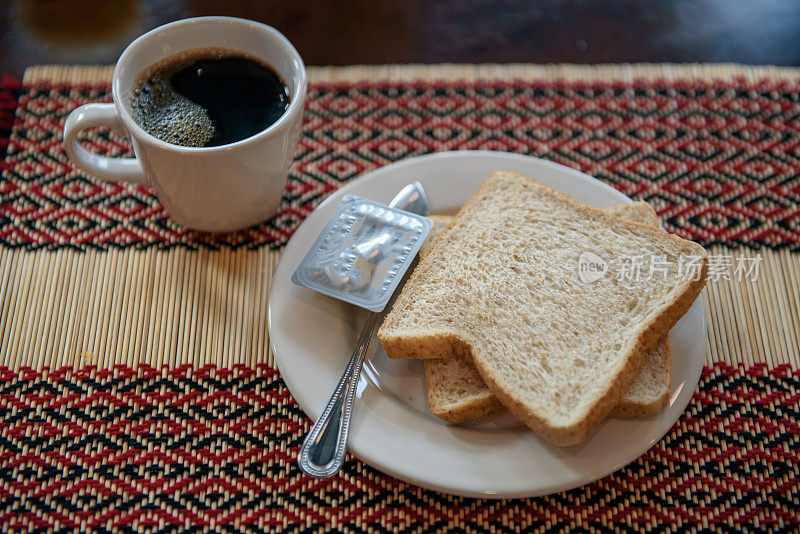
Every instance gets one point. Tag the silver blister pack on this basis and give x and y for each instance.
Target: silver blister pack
(363, 252)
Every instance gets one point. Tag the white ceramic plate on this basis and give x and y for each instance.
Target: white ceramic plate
(393, 430)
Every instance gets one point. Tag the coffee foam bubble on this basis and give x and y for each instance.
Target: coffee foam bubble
(171, 117)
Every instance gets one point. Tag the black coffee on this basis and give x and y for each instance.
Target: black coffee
(208, 97)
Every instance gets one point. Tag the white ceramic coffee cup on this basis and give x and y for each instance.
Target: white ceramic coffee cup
(212, 189)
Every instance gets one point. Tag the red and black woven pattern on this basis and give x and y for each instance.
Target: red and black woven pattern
(187, 449)
(720, 161)
(9, 89)
(179, 450)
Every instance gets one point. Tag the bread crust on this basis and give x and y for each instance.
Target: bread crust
(471, 408)
(628, 409)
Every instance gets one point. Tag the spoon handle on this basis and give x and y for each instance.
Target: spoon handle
(322, 452)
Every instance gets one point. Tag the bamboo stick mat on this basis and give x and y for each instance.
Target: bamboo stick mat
(209, 307)
(129, 307)
(137, 391)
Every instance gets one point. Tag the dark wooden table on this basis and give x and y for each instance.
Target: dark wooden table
(426, 31)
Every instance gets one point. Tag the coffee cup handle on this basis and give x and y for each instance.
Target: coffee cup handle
(103, 167)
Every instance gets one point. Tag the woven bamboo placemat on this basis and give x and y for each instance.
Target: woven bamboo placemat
(138, 390)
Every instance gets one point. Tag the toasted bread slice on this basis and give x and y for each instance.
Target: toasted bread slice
(456, 392)
(502, 287)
